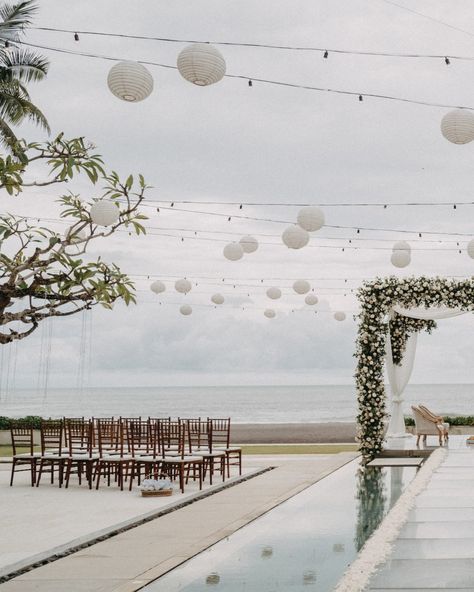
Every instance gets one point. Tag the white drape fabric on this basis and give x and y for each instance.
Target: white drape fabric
(398, 376)
(434, 313)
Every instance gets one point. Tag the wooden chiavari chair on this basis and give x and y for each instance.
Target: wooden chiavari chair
(52, 453)
(81, 454)
(200, 443)
(22, 439)
(220, 437)
(176, 463)
(113, 453)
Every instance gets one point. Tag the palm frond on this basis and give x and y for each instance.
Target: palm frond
(22, 64)
(15, 17)
(8, 139)
(15, 106)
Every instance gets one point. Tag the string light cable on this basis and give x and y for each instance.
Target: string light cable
(359, 94)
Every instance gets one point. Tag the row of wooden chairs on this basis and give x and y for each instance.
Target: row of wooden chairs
(125, 449)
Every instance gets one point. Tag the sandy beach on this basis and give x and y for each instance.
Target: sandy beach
(292, 433)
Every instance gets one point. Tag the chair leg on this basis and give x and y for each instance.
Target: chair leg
(68, 472)
(13, 471)
(181, 477)
(40, 473)
(418, 439)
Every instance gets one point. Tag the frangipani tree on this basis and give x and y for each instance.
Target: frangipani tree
(46, 273)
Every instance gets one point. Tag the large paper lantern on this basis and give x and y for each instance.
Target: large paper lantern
(310, 218)
(400, 258)
(130, 81)
(104, 212)
(274, 293)
(340, 316)
(217, 299)
(269, 313)
(311, 299)
(233, 251)
(157, 287)
(401, 246)
(470, 248)
(183, 286)
(249, 244)
(301, 287)
(185, 310)
(457, 126)
(295, 237)
(201, 64)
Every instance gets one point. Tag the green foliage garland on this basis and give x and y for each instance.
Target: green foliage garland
(377, 298)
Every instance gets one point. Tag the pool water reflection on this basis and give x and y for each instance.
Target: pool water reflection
(304, 544)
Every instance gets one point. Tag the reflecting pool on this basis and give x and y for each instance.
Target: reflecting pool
(304, 544)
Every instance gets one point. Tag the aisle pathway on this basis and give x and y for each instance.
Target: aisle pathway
(435, 548)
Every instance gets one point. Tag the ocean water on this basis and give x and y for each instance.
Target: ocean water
(244, 404)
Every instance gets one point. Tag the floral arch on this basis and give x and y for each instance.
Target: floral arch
(380, 300)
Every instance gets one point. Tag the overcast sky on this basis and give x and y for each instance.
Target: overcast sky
(232, 143)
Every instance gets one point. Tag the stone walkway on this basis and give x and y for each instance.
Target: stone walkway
(127, 561)
(435, 548)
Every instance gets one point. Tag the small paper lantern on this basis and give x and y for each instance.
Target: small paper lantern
(311, 299)
(301, 287)
(457, 126)
(249, 244)
(185, 310)
(400, 258)
(295, 237)
(130, 81)
(157, 287)
(183, 286)
(310, 218)
(470, 248)
(217, 299)
(274, 293)
(233, 251)
(269, 313)
(340, 316)
(202, 64)
(104, 213)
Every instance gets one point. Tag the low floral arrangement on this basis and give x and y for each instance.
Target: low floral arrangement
(377, 299)
(160, 486)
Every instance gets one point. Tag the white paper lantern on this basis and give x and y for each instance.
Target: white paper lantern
(311, 299)
(400, 258)
(104, 212)
(310, 218)
(295, 237)
(401, 246)
(201, 64)
(301, 287)
(270, 313)
(157, 287)
(217, 299)
(185, 310)
(233, 251)
(249, 244)
(130, 81)
(274, 293)
(183, 286)
(457, 126)
(340, 316)
(470, 248)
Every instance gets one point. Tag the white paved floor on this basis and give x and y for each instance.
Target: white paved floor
(35, 521)
(435, 549)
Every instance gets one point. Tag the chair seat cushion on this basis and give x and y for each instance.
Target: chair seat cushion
(116, 458)
(27, 455)
(178, 459)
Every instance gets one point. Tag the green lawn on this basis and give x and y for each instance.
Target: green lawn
(7, 450)
(298, 448)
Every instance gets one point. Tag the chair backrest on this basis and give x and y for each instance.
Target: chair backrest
(199, 435)
(79, 436)
(141, 437)
(220, 431)
(52, 436)
(22, 437)
(173, 435)
(428, 413)
(110, 436)
(423, 423)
